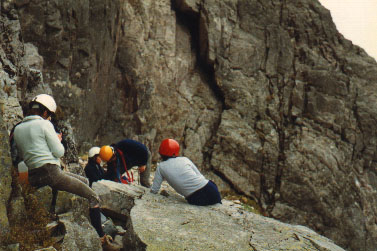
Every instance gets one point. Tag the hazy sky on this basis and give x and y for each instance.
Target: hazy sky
(357, 21)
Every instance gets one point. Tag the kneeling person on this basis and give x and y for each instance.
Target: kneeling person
(124, 155)
(184, 176)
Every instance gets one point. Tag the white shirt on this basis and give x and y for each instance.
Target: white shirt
(38, 142)
(181, 174)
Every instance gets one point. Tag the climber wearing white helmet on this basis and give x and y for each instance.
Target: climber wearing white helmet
(40, 148)
(93, 169)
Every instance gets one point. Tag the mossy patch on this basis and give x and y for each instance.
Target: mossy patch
(32, 233)
(247, 203)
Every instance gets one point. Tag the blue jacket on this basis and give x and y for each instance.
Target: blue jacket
(135, 154)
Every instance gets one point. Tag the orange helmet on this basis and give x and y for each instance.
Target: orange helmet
(106, 152)
(169, 147)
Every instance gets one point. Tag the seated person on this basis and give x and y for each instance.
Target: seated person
(93, 169)
(184, 177)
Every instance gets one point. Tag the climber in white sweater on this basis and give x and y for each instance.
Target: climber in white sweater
(182, 174)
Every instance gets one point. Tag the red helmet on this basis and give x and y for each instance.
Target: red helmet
(169, 147)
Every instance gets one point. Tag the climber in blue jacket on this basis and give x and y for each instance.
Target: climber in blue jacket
(124, 155)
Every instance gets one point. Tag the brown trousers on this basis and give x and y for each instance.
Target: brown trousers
(51, 175)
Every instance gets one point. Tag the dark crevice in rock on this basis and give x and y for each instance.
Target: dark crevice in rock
(267, 41)
(282, 7)
(132, 241)
(233, 187)
(191, 20)
(266, 198)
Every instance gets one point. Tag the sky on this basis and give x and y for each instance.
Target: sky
(357, 21)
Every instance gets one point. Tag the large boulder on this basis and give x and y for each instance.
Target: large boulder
(157, 222)
(79, 233)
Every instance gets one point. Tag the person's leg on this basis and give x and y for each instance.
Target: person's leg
(144, 176)
(213, 193)
(208, 195)
(53, 200)
(38, 177)
(95, 219)
(53, 176)
(81, 178)
(62, 181)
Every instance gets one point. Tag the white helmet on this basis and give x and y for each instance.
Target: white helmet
(46, 100)
(93, 151)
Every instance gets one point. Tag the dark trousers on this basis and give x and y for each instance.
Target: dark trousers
(208, 195)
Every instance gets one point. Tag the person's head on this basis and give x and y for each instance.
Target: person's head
(94, 154)
(43, 105)
(107, 153)
(169, 148)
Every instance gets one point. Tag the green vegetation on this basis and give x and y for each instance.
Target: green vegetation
(31, 233)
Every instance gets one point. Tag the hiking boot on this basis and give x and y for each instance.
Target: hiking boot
(105, 239)
(108, 245)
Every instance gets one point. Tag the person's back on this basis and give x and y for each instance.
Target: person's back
(184, 176)
(181, 174)
(135, 153)
(37, 142)
(124, 155)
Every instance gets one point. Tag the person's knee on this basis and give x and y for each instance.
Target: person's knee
(94, 202)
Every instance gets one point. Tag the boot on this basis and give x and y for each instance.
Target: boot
(108, 245)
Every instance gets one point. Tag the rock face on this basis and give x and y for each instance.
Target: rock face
(266, 95)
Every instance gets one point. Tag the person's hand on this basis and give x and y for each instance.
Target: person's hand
(60, 136)
(141, 169)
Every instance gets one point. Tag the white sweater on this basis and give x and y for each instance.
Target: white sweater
(181, 174)
(38, 142)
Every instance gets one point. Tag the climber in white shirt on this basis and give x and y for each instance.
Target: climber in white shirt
(182, 174)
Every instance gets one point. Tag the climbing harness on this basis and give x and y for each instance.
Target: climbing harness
(123, 179)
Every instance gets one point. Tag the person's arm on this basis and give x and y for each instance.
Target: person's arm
(52, 139)
(157, 181)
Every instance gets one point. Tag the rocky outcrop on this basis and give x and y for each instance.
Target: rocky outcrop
(175, 225)
(172, 224)
(5, 180)
(265, 96)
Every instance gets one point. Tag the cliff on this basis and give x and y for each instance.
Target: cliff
(266, 97)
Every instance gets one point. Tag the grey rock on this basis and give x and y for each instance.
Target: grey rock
(46, 249)
(5, 178)
(13, 247)
(175, 225)
(172, 224)
(80, 235)
(116, 197)
(32, 57)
